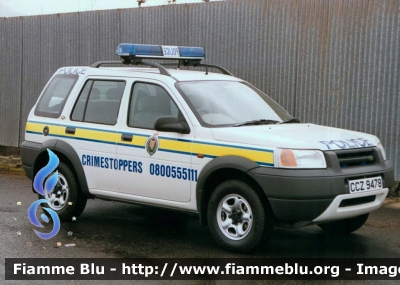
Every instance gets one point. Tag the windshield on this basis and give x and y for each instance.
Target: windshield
(229, 103)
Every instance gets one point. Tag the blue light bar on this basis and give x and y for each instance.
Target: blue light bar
(132, 49)
(192, 51)
(156, 51)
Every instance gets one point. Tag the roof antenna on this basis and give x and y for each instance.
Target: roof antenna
(203, 39)
(140, 2)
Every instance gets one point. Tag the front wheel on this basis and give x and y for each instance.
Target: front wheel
(345, 226)
(236, 216)
(66, 199)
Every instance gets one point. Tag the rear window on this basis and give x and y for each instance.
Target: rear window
(99, 102)
(54, 97)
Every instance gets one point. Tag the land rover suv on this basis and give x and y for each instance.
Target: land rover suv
(173, 136)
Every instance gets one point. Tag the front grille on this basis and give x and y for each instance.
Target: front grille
(357, 201)
(355, 158)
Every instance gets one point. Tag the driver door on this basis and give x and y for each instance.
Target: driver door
(158, 164)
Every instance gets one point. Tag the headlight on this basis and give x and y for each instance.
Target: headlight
(297, 158)
(380, 146)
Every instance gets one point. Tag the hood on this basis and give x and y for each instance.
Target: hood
(296, 136)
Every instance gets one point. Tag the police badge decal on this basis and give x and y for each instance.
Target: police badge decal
(152, 144)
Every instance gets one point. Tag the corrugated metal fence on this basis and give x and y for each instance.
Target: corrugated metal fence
(330, 62)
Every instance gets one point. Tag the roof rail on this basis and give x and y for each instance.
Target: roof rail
(127, 61)
(195, 64)
(98, 63)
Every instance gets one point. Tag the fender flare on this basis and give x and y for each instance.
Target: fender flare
(230, 161)
(68, 151)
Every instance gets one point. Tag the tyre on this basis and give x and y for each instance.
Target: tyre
(66, 199)
(236, 216)
(344, 226)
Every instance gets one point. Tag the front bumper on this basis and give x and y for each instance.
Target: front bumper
(316, 195)
(338, 210)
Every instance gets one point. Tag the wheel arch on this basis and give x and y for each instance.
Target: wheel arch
(222, 169)
(66, 154)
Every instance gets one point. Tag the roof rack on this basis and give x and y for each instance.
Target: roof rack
(160, 66)
(196, 64)
(136, 62)
(135, 53)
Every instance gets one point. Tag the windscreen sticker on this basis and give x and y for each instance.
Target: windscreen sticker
(152, 144)
(349, 143)
(175, 172)
(112, 163)
(163, 170)
(72, 70)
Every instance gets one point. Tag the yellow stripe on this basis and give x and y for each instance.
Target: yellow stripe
(173, 145)
(34, 127)
(215, 150)
(176, 145)
(139, 140)
(97, 135)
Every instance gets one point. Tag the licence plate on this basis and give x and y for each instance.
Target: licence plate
(367, 184)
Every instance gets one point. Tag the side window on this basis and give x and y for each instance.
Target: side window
(147, 103)
(99, 102)
(54, 97)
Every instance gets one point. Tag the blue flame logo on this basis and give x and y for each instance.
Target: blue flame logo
(49, 184)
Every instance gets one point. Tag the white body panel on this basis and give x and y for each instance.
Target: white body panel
(297, 136)
(144, 187)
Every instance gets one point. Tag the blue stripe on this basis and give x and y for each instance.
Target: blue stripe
(89, 140)
(74, 138)
(134, 134)
(141, 147)
(234, 146)
(193, 154)
(131, 145)
(35, 133)
(39, 133)
(265, 164)
(175, 139)
(175, 151)
(162, 137)
(77, 127)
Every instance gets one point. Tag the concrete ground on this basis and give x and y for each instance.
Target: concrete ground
(112, 229)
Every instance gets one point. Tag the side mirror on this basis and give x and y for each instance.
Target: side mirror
(170, 124)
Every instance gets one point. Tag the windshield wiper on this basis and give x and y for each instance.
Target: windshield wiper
(293, 120)
(257, 122)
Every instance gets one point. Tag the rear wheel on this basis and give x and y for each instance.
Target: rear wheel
(236, 216)
(66, 199)
(345, 226)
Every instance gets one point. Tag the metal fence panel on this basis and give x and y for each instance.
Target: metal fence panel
(330, 62)
(131, 26)
(32, 69)
(10, 80)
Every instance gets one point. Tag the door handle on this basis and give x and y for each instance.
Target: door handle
(127, 138)
(69, 130)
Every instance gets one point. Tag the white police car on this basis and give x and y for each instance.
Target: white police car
(202, 142)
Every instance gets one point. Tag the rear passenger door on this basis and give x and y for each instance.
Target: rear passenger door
(157, 164)
(92, 131)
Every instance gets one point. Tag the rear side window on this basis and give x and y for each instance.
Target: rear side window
(54, 97)
(99, 102)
